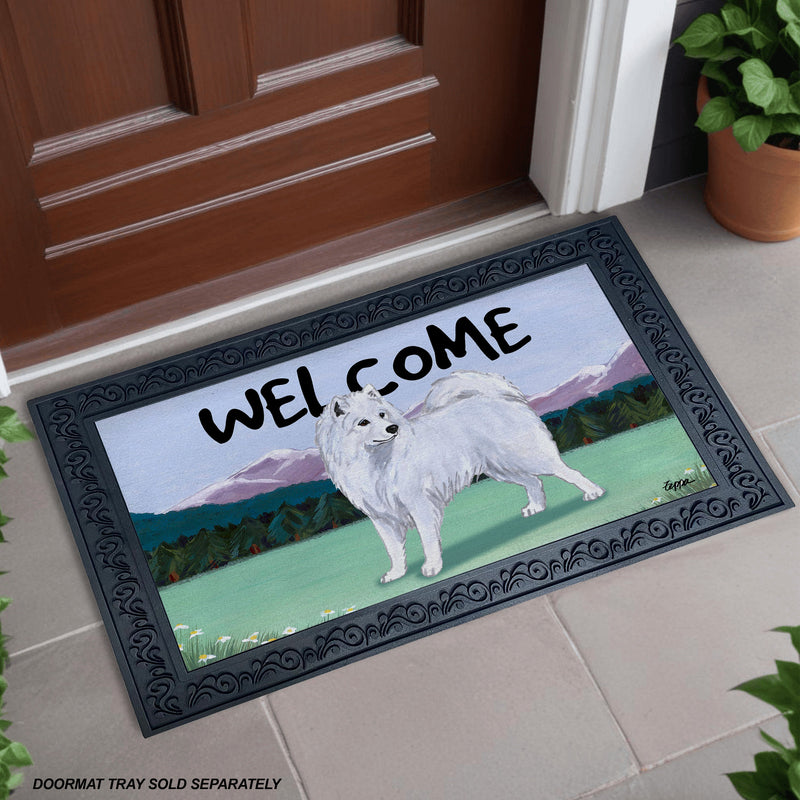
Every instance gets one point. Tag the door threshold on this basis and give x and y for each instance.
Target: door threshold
(372, 253)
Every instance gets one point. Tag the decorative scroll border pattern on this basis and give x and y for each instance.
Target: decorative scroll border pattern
(164, 694)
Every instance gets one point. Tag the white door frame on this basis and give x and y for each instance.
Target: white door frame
(600, 82)
(599, 87)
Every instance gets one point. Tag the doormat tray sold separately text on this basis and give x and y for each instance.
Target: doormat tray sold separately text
(268, 508)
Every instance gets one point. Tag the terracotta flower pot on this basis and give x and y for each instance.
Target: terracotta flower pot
(756, 195)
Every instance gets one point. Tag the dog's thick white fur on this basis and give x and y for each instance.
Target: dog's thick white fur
(403, 472)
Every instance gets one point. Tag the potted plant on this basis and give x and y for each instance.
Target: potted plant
(777, 771)
(748, 102)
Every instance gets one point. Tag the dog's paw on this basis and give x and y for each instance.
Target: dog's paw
(532, 508)
(392, 575)
(593, 494)
(431, 569)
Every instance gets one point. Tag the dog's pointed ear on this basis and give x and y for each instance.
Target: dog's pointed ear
(338, 406)
(372, 392)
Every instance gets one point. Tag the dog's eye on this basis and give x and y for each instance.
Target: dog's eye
(382, 414)
(364, 422)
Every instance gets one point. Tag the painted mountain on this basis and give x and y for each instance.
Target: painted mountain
(626, 364)
(276, 470)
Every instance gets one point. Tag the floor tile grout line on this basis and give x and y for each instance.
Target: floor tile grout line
(675, 757)
(604, 787)
(55, 640)
(709, 742)
(780, 471)
(772, 425)
(284, 745)
(574, 645)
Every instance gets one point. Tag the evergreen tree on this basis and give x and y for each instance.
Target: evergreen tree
(249, 532)
(165, 561)
(288, 524)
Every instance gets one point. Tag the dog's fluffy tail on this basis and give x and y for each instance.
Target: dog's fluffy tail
(462, 384)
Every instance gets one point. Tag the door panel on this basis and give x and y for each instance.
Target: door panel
(88, 61)
(161, 143)
(288, 32)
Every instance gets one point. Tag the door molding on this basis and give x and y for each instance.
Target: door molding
(5, 386)
(598, 100)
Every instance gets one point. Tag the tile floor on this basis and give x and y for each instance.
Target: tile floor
(613, 689)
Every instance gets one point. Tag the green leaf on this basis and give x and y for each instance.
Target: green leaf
(794, 778)
(794, 633)
(758, 82)
(5, 602)
(11, 429)
(749, 787)
(794, 727)
(752, 131)
(769, 689)
(703, 37)
(734, 17)
(789, 673)
(16, 755)
(771, 770)
(714, 71)
(717, 114)
(788, 10)
(15, 780)
(728, 53)
(785, 753)
(792, 32)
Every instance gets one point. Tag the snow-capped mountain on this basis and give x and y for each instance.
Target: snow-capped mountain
(625, 365)
(275, 470)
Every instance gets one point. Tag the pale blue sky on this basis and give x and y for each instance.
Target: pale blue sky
(161, 454)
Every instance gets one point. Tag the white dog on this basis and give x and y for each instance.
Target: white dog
(403, 472)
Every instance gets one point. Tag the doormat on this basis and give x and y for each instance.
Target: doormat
(262, 510)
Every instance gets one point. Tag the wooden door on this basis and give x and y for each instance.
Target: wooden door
(149, 145)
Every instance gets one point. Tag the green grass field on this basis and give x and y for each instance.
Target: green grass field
(303, 584)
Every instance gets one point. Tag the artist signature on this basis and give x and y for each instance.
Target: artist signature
(671, 486)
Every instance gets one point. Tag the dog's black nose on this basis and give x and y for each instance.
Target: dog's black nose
(391, 429)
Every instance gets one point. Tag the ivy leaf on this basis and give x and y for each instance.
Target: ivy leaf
(717, 114)
(788, 10)
(16, 755)
(758, 82)
(15, 780)
(728, 53)
(11, 429)
(769, 689)
(734, 17)
(792, 31)
(704, 37)
(714, 70)
(752, 131)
